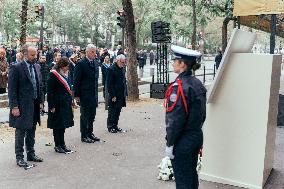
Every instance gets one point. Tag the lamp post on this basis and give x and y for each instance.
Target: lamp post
(273, 33)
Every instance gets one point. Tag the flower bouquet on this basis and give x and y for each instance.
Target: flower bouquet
(166, 170)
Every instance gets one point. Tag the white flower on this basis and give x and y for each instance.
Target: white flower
(165, 169)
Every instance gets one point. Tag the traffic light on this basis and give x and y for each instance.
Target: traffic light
(39, 10)
(121, 18)
(161, 32)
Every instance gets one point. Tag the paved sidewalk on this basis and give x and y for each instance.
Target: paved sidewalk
(125, 161)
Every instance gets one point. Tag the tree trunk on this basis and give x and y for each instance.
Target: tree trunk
(225, 33)
(133, 91)
(24, 18)
(193, 37)
(1, 15)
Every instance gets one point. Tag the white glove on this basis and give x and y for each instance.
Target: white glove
(169, 152)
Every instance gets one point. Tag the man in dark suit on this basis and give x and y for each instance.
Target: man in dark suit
(25, 101)
(72, 62)
(48, 54)
(44, 70)
(116, 83)
(85, 86)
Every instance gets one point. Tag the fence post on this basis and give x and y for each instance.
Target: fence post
(214, 71)
(204, 72)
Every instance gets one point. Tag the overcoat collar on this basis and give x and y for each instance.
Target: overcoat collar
(28, 73)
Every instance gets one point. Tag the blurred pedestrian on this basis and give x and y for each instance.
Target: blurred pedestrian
(48, 54)
(119, 50)
(185, 103)
(218, 59)
(82, 53)
(145, 57)
(4, 66)
(25, 101)
(152, 57)
(116, 84)
(19, 58)
(72, 62)
(104, 54)
(59, 97)
(104, 68)
(44, 70)
(85, 88)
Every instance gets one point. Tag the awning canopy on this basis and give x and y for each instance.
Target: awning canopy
(258, 7)
(262, 22)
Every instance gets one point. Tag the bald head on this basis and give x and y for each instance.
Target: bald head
(30, 54)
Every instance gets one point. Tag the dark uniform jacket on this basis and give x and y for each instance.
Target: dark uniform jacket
(58, 98)
(85, 84)
(183, 127)
(21, 92)
(116, 85)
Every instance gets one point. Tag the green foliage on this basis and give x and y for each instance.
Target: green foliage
(95, 20)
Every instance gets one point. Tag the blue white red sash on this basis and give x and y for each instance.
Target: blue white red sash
(62, 80)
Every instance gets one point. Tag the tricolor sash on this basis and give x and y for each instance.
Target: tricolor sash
(62, 80)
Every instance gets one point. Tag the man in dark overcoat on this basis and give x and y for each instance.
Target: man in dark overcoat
(85, 86)
(116, 83)
(44, 70)
(25, 101)
(72, 62)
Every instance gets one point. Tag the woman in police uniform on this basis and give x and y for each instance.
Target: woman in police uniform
(185, 104)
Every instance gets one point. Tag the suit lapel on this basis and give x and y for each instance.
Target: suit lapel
(26, 71)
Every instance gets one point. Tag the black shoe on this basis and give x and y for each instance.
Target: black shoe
(87, 140)
(34, 158)
(21, 163)
(94, 138)
(67, 150)
(112, 130)
(58, 149)
(118, 129)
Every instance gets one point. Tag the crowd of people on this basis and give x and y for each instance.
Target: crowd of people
(68, 80)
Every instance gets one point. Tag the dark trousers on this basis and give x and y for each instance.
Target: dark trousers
(58, 135)
(113, 116)
(88, 114)
(184, 166)
(24, 136)
(2, 90)
(151, 61)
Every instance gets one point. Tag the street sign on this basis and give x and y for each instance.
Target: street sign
(160, 32)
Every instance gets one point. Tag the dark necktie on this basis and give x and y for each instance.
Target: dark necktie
(92, 63)
(33, 80)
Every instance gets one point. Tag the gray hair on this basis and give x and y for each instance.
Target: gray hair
(121, 56)
(90, 46)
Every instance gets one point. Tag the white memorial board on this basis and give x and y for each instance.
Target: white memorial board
(240, 42)
(240, 127)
